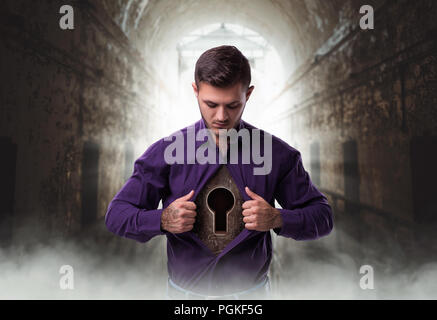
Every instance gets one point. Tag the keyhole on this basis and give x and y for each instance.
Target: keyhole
(220, 201)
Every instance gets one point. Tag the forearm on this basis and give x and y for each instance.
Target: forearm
(308, 223)
(278, 220)
(126, 220)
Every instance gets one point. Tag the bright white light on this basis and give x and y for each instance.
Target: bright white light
(266, 69)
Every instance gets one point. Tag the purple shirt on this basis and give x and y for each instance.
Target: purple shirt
(245, 261)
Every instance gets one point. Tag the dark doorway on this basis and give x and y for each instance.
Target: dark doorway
(351, 177)
(90, 169)
(128, 161)
(315, 163)
(7, 189)
(423, 155)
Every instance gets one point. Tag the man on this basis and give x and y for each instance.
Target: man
(222, 78)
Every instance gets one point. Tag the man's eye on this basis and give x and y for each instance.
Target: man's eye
(211, 105)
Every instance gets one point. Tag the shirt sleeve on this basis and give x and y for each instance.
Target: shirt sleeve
(306, 213)
(133, 212)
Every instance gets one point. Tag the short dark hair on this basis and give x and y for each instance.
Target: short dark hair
(222, 67)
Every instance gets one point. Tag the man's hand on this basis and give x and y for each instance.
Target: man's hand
(259, 215)
(180, 215)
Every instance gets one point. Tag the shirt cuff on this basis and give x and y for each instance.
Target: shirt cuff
(149, 222)
(292, 224)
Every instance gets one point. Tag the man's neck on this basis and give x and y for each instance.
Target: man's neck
(217, 139)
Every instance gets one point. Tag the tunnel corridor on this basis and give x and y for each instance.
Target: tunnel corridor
(79, 106)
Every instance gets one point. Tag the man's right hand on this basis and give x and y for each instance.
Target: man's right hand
(180, 215)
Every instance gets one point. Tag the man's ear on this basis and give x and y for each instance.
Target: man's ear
(193, 84)
(249, 92)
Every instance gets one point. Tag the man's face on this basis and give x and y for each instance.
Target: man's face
(221, 108)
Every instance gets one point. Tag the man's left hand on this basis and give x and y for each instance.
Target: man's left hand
(259, 215)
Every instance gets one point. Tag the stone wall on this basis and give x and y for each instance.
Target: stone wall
(377, 88)
(62, 88)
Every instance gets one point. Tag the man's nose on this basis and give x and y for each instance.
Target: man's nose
(222, 114)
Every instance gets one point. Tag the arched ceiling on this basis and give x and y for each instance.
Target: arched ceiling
(296, 28)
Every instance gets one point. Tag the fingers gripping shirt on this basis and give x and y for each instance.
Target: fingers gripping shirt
(133, 213)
